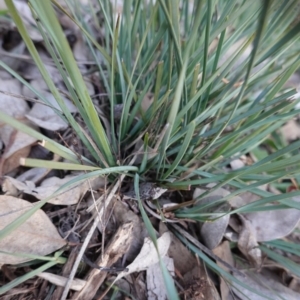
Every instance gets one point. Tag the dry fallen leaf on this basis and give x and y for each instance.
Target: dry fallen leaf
(232, 50)
(17, 144)
(50, 185)
(270, 224)
(223, 251)
(37, 236)
(44, 116)
(274, 224)
(31, 71)
(198, 285)
(123, 214)
(247, 243)
(17, 107)
(115, 249)
(10, 160)
(155, 281)
(148, 255)
(265, 285)
(184, 259)
(212, 232)
(29, 22)
(3, 5)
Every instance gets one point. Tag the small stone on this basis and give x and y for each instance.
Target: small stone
(148, 191)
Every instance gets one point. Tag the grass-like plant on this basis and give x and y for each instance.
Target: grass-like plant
(216, 72)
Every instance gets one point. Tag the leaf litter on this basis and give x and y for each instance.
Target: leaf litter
(129, 242)
(37, 236)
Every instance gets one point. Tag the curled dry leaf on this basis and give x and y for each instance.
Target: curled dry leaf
(50, 185)
(148, 255)
(44, 116)
(37, 236)
(212, 232)
(14, 187)
(243, 199)
(123, 214)
(247, 243)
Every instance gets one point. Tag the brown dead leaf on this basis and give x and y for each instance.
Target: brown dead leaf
(10, 162)
(295, 284)
(243, 199)
(37, 236)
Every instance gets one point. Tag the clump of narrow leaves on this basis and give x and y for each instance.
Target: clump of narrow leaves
(185, 121)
